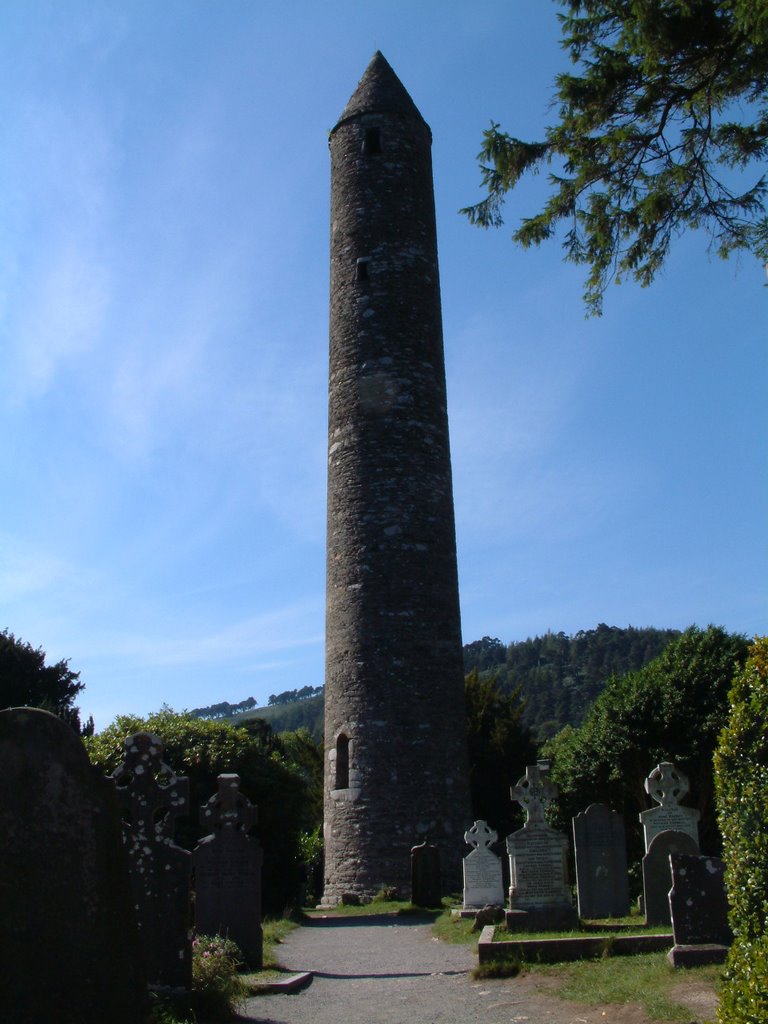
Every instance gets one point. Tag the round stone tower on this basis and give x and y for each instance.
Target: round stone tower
(395, 729)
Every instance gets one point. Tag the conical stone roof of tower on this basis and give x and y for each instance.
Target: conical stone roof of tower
(380, 91)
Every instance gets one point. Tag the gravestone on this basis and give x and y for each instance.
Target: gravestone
(657, 874)
(540, 892)
(602, 882)
(483, 882)
(152, 796)
(426, 890)
(667, 786)
(699, 909)
(68, 938)
(228, 871)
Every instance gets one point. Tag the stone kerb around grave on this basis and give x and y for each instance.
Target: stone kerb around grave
(540, 892)
(667, 785)
(152, 796)
(483, 880)
(69, 945)
(227, 867)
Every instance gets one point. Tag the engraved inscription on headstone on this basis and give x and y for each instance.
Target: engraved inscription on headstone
(228, 871)
(538, 855)
(152, 797)
(602, 883)
(69, 941)
(483, 881)
(667, 786)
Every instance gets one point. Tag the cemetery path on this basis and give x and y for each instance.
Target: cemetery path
(389, 970)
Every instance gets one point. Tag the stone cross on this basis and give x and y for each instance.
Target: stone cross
(534, 792)
(480, 836)
(666, 784)
(228, 809)
(146, 786)
(152, 796)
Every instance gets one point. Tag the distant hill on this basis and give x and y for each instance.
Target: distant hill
(287, 717)
(560, 675)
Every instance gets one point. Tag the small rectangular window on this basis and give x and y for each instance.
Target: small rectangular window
(372, 141)
(361, 268)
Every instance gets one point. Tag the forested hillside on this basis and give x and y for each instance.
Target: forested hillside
(561, 676)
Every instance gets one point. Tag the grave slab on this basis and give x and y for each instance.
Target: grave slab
(152, 796)
(483, 880)
(227, 865)
(667, 785)
(657, 874)
(68, 935)
(602, 881)
(699, 910)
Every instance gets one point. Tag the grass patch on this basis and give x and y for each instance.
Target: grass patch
(645, 979)
(496, 969)
(455, 930)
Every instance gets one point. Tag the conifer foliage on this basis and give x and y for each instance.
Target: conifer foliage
(664, 128)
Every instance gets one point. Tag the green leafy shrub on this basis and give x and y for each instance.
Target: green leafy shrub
(741, 775)
(219, 989)
(202, 750)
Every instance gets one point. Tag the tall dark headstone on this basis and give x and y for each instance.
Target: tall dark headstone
(699, 907)
(600, 852)
(657, 873)
(68, 938)
(395, 731)
(152, 797)
(425, 875)
(228, 871)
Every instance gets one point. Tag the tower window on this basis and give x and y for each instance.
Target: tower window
(342, 762)
(361, 268)
(372, 141)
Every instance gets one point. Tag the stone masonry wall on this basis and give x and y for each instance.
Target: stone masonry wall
(394, 677)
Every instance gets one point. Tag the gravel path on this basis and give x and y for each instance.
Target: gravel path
(389, 970)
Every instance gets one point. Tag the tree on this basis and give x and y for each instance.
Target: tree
(26, 681)
(664, 128)
(671, 710)
(741, 774)
(500, 747)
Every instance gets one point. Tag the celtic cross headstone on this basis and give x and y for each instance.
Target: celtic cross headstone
(228, 871)
(540, 892)
(483, 882)
(667, 785)
(152, 796)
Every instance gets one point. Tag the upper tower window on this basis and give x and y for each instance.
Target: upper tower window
(361, 268)
(371, 141)
(342, 762)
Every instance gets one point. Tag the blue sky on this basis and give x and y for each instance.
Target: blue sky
(164, 195)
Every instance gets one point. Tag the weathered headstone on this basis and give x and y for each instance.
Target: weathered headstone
(699, 909)
(152, 797)
(657, 875)
(68, 937)
(540, 892)
(426, 888)
(602, 882)
(228, 871)
(483, 881)
(667, 786)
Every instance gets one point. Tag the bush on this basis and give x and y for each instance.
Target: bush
(218, 987)
(741, 775)
(202, 750)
